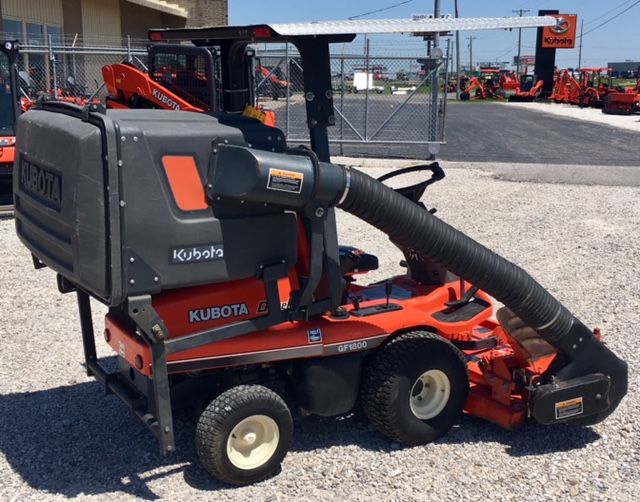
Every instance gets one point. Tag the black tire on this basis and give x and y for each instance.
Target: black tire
(388, 383)
(223, 414)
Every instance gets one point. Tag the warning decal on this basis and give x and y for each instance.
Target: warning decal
(285, 181)
(569, 408)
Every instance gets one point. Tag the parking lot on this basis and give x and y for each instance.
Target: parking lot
(477, 132)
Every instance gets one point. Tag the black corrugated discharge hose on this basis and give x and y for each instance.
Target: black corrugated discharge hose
(410, 225)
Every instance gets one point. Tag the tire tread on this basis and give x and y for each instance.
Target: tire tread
(378, 379)
(212, 426)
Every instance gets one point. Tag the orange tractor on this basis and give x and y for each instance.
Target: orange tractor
(589, 89)
(510, 81)
(486, 86)
(527, 90)
(595, 84)
(623, 101)
(496, 84)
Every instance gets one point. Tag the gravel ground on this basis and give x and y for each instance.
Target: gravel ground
(60, 436)
(630, 122)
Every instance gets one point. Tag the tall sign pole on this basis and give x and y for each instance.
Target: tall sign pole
(545, 60)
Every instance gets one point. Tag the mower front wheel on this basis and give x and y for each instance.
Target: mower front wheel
(244, 434)
(415, 388)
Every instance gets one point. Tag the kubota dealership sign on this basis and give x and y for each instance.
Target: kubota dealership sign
(563, 34)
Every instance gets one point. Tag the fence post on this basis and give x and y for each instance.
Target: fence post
(52, 64)
(444, 94)
(73, 56)
(433, 54)
(129, 58)
(366, 92)
(288, 77)
(341, 104)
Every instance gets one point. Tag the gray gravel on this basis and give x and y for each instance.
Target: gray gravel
(60, 436)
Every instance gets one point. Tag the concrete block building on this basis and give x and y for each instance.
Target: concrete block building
(103, 21)
(92, 24)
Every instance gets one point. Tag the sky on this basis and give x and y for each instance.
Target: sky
(618, 40)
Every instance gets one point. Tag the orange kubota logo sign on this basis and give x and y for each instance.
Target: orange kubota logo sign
(563, 34)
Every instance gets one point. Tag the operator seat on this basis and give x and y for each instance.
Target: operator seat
(356, 261)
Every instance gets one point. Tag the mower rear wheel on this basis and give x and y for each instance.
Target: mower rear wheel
(415, 388)
(244, 434)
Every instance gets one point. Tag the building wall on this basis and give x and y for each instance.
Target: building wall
(19, 18)
(206, 12)
(101, 20)
(136, 20)
(35, 11)
(35, 22)
(72, 14)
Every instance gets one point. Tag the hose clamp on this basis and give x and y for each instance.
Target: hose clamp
(347, 186)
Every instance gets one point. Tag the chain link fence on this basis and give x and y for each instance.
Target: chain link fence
(384, 105)
(73, 69)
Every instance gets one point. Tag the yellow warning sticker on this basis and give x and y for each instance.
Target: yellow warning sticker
(569, 408)
(285, 181)
(254, 113)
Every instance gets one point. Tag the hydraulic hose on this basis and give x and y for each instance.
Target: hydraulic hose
(297, 182)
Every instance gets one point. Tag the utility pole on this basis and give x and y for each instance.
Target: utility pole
(436, 15)
(519, 12)
(580, 47)
(471, 39)
(449, 49)
(457, 55)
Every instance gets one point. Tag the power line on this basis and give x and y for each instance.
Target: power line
(607, 12)
(381, 10)
(611, 18)
(507, 52)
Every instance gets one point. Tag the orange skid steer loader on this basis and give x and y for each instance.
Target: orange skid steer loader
(180, 77)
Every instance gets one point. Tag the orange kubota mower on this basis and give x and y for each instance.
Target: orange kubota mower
(213, 245)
